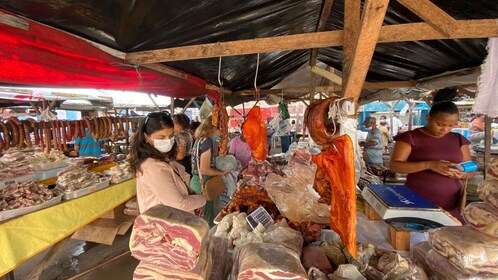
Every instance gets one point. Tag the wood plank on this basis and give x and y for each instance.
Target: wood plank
(48, 258)
(433, 15)
(352, 24)
(400, 240)
(188, 105)
(371, 23)
(336, 79)
(487, 143)
(390, 33)
(322, 22)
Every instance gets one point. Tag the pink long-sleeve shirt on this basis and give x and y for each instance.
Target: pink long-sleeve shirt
(157, 183)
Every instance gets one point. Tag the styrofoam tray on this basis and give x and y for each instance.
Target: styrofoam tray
(47, 174)
(122, 179)
(49, 165)
(7, 214)
(103, 184)
(4, 183)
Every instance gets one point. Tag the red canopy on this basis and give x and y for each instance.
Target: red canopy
(43, 56)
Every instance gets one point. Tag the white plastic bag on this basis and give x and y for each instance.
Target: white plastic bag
(46, 115)
(206, 109)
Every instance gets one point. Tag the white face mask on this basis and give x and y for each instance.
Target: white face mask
(368, 128)
(164, 145)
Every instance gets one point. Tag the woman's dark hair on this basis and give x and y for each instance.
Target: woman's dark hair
(194, 125)
(182, 120)
(140, 150)
(445, 95)
(443, 107)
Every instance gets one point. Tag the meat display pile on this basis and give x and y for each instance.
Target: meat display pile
(169, 237)
(131, 207)
(53, 156)
(15, 164)
(120, 172)
(468, 250)
(247, 199)
(256, 172)
(337, 164)
(254, 131)
(482, 217)
(56, 133)
(488, 192)
(76, 178)
(22, 195)
(268, 261)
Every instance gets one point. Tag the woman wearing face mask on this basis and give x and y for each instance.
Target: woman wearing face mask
(206, 136)
(428, 154)
(183, 140)
(160, 179)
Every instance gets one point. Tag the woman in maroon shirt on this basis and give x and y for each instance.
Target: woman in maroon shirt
(428, 154)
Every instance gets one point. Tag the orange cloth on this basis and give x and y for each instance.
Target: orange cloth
(338, 162)
(159, 184)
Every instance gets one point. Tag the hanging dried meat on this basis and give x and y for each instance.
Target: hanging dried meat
(223, 126)
(322, 130)
(215, 113)
(338, 162)
(254, 130)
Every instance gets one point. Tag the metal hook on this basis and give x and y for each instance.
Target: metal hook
(219, 74)
(256, 76)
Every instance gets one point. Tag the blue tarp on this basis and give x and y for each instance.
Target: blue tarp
(378, 106)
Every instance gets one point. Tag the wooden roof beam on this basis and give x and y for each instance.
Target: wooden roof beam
(324, 16)
(329, 75)
(483, 28)
(352, 24)
(372, 18)
(433, 15)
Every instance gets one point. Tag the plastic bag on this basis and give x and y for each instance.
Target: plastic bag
(488, 192)
(492, 169)
(294, 195)
(283, 110)
(225, 163)
(470, 251)
(46, 115)
(205, 109)
(281, 233)
(442, 269)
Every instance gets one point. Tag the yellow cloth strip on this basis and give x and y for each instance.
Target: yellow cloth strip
(24, 237)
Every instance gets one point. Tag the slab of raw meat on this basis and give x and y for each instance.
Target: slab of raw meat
(442, 269)
(488, 192)
(169, 237)
(218, 251)
(468, 250)
(269, 261)
(482, 217)
(314, 256)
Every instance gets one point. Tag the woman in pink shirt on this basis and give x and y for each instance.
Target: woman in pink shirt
(160, 179)
(240, 149)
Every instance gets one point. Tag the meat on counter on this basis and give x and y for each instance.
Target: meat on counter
(22, 195)
(482, 217)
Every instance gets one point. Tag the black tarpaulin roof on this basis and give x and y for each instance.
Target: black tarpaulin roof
(137, 25)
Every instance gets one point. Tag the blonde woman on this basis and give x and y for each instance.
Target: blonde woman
(206, 136)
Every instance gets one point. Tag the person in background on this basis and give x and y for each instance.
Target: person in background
(240, 149)
(477, 131)
(88, 146)
(203, 153)
(160, 179)
(193, 127)
(385, 134)
(183, 140)
(428, 155)
(269, 134)
(293, 130)
(373, 145)
(397, 124)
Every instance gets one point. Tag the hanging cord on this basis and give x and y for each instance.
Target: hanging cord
(219, 74)
(136, 66)
(256, 90)
(339, 112)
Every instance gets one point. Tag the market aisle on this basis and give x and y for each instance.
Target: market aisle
(80, 256)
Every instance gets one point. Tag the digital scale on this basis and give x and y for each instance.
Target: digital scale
(398, 203)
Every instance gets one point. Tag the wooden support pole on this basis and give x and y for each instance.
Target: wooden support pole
(374, 12)
(172, 106)
(352, 24)
(188, 105)
(487, 143)
(48, 258)
(336, 79)
(433, 15)
(324, 16)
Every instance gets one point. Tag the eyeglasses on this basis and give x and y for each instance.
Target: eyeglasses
(155, 115)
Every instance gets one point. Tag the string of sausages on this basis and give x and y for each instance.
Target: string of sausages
(220, 119)
(55, 134)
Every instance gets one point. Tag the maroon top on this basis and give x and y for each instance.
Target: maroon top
(441, 190)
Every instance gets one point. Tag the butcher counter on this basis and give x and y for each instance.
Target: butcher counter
(23, 237)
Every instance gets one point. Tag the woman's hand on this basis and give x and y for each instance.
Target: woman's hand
(444, 168)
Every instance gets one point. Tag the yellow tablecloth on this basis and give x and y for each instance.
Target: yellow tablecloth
(22, 238)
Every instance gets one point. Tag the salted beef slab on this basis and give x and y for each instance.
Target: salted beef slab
(269, 261)
(482, 217)
(468, 250)
(488, 192)
(170, 237)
